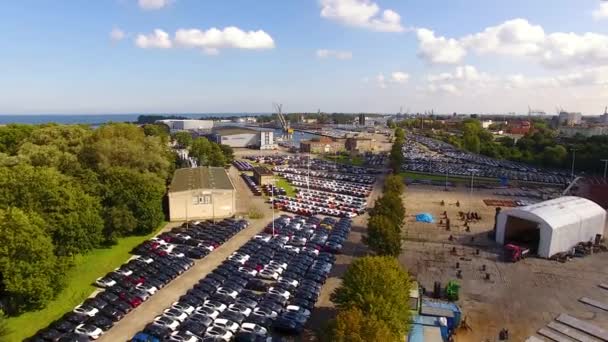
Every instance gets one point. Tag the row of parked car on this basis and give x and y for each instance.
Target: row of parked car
(267, 287)
(317, 206)
(333, 186)
(156, 263)
(252, 185)
(272, 190)
(242, 165)
(376, 159)
(363, 179)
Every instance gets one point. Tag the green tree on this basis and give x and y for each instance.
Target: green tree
(391, 206)
(352, 325)
(157, 130)
(139, 193)
(399, 134)
(72, 217)
(379, 287)
(126, 145)
(228, 153)
(216, 156)
(200, 150)
(394, 184)
(471, 142)
(183, 139)
(554, 156)
(119, 221)
(383, 236)
(27, 264)
(12, 136)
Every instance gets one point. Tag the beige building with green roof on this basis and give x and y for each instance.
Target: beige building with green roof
(201, 193)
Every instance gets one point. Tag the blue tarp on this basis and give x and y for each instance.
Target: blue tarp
(425, 217)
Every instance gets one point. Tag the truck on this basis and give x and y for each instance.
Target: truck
(514, 253)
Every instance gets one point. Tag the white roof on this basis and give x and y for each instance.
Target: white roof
(562, 211)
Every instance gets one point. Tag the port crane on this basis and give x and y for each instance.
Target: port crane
(285, 126)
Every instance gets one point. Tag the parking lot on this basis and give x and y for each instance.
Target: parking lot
(521, 297)
(427, 155)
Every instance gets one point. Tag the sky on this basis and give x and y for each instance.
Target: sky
(235, 56)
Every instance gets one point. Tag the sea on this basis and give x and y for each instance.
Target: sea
(98, 119)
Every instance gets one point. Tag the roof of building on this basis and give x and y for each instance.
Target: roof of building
(262, 171)
(562, 211)
(230, 130)
(200, 178)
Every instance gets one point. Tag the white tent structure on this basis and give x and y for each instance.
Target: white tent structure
(554, 226)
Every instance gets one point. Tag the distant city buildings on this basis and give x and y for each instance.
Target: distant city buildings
(187, 125)
(569, 119)
(519, 127)
(244, 137)
(323, 145)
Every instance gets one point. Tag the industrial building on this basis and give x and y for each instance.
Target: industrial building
(553, 226)
(323, 145)
(262, 175)
(187, 125)
(569, 119)
(201, 193)
(587, 131)
(244, 137)
(359, 144)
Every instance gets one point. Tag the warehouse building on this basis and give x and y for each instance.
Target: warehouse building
(552, 226)
(262, 175)
(187, 125)
(359, 144)
(262, 139)
(201, 193)
(323, 145)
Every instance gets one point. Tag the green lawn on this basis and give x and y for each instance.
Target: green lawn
(87, 268)
(283, 183)
(451, 178)
(344, 159)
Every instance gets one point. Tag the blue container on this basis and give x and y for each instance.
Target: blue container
(436, 308)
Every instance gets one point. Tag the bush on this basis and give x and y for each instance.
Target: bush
(352, 325)
(255, 214)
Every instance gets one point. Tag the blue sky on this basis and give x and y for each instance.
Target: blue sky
(450, 56)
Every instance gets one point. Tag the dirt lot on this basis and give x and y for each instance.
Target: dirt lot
(522, 297)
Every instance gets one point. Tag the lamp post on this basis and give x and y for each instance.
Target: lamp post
(605, 167)
(446, 177)
(472, 179)
(272, 202)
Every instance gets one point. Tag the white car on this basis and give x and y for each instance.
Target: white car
(274, 268)
(282, 265)
(145, 259)
(311, 250)
(218, 333)
(184, 236)
(269, 275)
(86, 310)
(254, 328)
(210, 248)
(105, 282)
(175, 314)
(241, 309)
(265, 312)
(188, 309)
(279, 292)
(288, 281)
(207, 311)
(167, 322)
(227, 292)
(248, 270)
(215, 305)
(177, 255)
(89, 330)
(159, 241)
(291, 248)
(148, 288)
(177, 337)
(297, 309)
(262, 237)
(226, 324)
(167, 247)
(125, 272)
(241, 259)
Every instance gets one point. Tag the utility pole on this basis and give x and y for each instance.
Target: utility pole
(272, 202)
(605, 167)
(446, 178)
(573, 159)
(472, 179)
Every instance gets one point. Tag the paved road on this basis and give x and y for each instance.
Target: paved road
(145, 313)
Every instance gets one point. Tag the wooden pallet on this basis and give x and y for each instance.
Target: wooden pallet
(571, 332)
(594, 303)
(554, 336)
(583, 326)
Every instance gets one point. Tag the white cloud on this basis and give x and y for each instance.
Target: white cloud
(361, 13)
(337, 54)
(518, 38)
(159, 39)
(439, 50)
(213, 39)
(601, 12)
(467, 73)
(400, 77)
(153, 4)
(380, 79)
(586, 77)
(117, 34)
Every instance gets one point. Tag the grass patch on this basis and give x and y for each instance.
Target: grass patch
(451, 178)
(283, 183)
(346, 159)
(87, 268)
